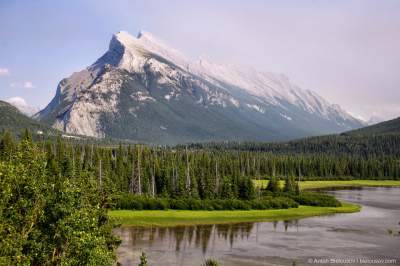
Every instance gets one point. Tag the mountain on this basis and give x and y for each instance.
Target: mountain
(13, 120)
(143, 90)
(390, 127)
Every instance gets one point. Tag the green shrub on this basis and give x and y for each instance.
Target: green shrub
(132, 202)
(143, 260)
(179, 204)
(317, 199)
(210, 262)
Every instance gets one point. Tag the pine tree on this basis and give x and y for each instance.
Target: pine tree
(7, 146)
(226, 188)
(26, 135)
(246, 189)
(289, 185)
(273, 185)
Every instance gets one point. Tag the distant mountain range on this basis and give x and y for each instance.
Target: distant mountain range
(142, 90)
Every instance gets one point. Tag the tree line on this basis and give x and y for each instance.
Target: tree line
(196, 173)
(365, 146)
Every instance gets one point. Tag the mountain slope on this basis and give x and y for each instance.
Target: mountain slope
(390, 127)
(143, 90)
(13, 120)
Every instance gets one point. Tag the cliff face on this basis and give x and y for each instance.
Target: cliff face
(142, 90)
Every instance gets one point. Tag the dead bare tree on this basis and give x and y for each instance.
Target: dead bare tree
(188, 185)
(216, 176)
(139, 167)
(100, 175)
(132, 183)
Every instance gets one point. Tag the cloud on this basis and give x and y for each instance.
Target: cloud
(29, 85)
(4, 72)
(17, 101)
(23, 106)
(25, 84)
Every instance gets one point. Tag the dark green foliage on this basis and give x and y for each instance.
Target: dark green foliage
(297, 188)
(130, 202)
(226, 188)
(7, 146)
(198, 174)
(365, 146)
(317, 199)
(210, 262)
(290, 185)
(273, 185)
(46, 219)
(143, 260)
(246, 189)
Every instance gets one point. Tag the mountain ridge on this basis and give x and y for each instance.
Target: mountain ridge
(130, 90)
(13, 120)
(389, 127)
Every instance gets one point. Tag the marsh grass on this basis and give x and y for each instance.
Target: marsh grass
(165, 218)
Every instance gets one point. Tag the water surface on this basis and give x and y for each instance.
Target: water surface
(371, 233)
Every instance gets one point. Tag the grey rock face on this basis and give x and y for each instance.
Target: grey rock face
(142, 90)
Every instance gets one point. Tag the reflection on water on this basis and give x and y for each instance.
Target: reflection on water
(209, 239)
(198, 236)
(363, 234)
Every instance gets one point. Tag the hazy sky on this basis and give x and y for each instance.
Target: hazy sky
(347, 51)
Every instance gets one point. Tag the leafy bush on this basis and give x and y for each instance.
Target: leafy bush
(178, 204)
(132, 202)
(143, 260)
(48, 220)
(210, 262)
(317, 199)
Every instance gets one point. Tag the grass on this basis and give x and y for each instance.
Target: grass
(304, 185)
(186, 217)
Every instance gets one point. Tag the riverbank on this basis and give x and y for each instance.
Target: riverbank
(185, 217)
(307, 185)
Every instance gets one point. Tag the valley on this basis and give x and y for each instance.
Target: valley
(228, 133)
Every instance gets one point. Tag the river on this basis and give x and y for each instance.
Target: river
(369, 237)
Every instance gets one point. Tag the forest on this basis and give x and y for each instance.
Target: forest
(56, 192)
(225, 171)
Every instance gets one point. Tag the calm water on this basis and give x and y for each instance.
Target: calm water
(372, 233)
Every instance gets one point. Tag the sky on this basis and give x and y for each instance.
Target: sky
(347, 51)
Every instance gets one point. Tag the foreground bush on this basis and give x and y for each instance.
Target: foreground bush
(132, 202)
(48, 220)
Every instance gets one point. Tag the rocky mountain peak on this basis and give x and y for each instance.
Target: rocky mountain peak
(141, 85)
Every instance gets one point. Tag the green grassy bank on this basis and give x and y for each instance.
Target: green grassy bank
(338, 183)
(183, 217)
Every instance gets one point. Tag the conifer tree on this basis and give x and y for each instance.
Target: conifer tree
(273, 185)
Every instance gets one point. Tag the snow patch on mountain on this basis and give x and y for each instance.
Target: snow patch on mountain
(256, 107)
(275, 89)
(286, 117)
(142, 97)
(155, 74)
